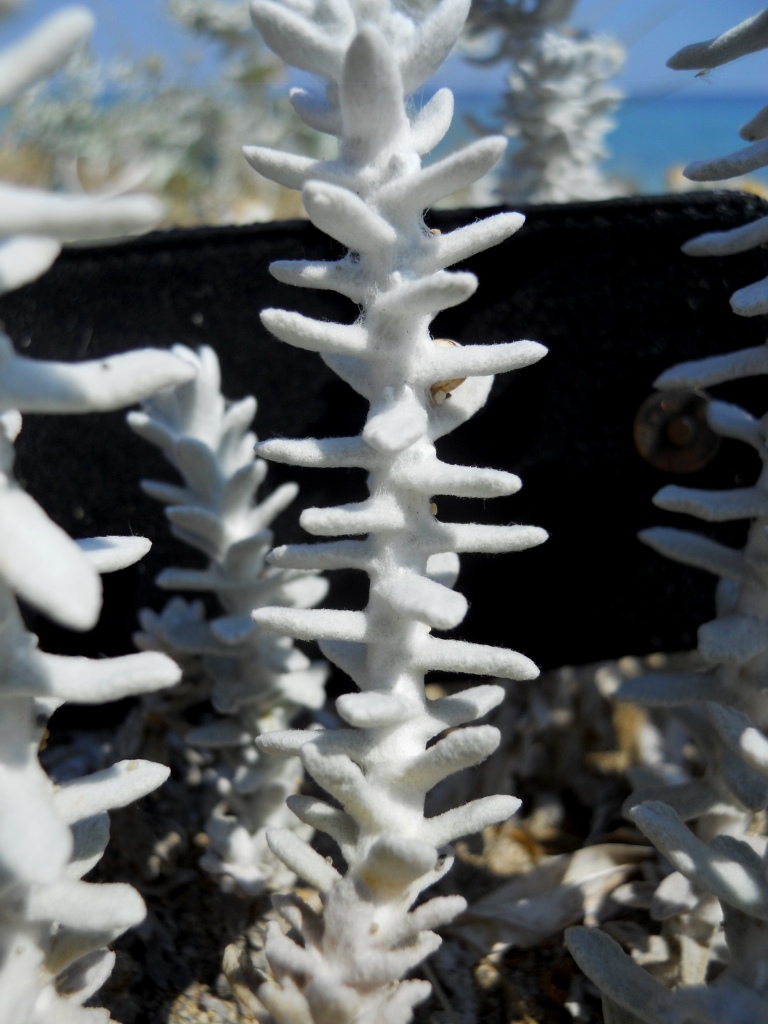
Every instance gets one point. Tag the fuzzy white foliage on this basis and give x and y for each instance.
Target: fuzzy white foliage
(558, 100)
(257, 680)
(719, 889)
(55, 926)
(127, 123)
(34, 223)
(732, 871)
(371, 56)
(537, 904)
(734, 644)
(37, 559)
(43, 50)
(748, 37)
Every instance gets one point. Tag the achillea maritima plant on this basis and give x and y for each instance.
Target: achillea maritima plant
(34, 223)
(557, 103)
(55, 928)
(344, 965)
(715, 904)
(255, 680)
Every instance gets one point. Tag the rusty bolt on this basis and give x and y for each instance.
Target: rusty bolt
(671, 431)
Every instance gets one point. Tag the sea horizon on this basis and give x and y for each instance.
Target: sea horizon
(655, 134)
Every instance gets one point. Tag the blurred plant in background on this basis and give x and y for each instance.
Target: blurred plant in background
(557, 101)
(108, 127)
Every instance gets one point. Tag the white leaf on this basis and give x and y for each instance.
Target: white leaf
(302, 859)
(43, 50)
(746, 37)
(346, 217)
(432, 122)
(74, 218)
(108, 789)
(109, 554)
(99, 385)
(24, 259)
(41, 563)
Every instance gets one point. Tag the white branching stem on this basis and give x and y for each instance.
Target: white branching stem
(557, 103)
(54, 926)
(34, 223)
(720, 869)
(256, 681)
(378, 771)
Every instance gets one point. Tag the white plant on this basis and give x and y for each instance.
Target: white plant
(557, 103)
(55, 927)
(256, 681)
(105, 123)
(732, 872)
(227, 23)
(34, 223)
(722, 873)
(344, 965)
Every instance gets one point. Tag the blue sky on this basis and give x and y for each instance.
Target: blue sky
(651, 29)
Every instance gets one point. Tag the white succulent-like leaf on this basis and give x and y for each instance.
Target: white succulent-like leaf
(748, 36)
(379, 768)
(752, 300)
(557, 101)
(742, 161)
(702, 373)
(112, 787)
(561, 891)
(42, 51)
(728, 243)
(98, 385)
(302, 859)
(619, 978)
(740, 735)
(41, 563)
(68, 218)
(24, 259)
(110, 554)
(216, 510)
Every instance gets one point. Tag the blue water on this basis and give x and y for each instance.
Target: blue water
(652, 133)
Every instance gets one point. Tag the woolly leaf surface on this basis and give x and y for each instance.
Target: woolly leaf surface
(748, 36)
(108, 789)
(718, 369)
(728, 243)
(346, 217)
(730, 420)
(743, 161)
(714, 506)
(615, 974)
(432, 122)
(43, 50)
(733, 638)
(302, 859)
(110, 554)
(751, 300)
(470, 818)
(695, 550)
(371, 98)
(43, 565)
(462, 243)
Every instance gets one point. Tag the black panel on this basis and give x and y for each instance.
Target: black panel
(603, 285)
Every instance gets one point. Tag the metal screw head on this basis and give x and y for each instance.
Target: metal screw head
(672, 433)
